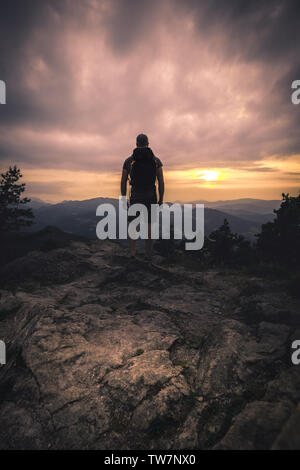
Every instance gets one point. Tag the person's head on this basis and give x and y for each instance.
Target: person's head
(142, 140)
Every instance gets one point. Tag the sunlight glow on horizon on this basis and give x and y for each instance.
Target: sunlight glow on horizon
(264, 179)
(208, 175)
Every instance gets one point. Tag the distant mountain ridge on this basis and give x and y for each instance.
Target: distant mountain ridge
(259, 211)
(260, 206)
(36, 202)
(245, 216)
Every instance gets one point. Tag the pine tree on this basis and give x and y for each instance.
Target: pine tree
(280, 240)
(223, 246)
(13, 215)
(220, 243)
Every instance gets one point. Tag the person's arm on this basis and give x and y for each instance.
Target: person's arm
(161, 184)
(124, 182)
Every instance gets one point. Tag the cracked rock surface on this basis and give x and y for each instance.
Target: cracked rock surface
(104, 353)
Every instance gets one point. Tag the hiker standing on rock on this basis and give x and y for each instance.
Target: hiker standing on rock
(143, 168)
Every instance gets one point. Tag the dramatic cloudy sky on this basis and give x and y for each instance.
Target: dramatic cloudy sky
(208, 81)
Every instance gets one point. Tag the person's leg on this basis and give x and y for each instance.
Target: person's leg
(132, 247)
(132, 243)
(152, 219)
(148, 244)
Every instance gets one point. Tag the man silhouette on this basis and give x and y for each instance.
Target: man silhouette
(143, 168)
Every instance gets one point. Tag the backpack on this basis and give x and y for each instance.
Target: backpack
(143, 170)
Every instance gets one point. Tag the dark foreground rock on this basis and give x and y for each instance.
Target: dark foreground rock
(106, 354)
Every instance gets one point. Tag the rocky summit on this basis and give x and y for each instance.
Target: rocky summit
(108, 353)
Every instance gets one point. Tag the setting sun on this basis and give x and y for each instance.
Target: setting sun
(208, 175)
